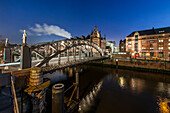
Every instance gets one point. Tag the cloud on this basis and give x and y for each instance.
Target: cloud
(45, 29)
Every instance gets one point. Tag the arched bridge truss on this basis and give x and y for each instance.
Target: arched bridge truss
(69, 48)
(53, 52)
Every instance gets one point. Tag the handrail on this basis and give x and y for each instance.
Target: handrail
(15, 103)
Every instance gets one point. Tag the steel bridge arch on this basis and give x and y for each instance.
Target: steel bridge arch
(79, 42)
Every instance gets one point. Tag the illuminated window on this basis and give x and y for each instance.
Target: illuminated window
(160, 48)
(151, 48)
(152, 41)
(160, 40)
(169, 48)
(168, 43)
(143, 41)
(169, 40)
(143, 48)
(129, 42)
(129, 45)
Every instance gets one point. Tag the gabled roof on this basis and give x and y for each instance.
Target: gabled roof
(151, 31)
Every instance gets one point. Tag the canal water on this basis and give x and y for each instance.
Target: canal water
(107, 90)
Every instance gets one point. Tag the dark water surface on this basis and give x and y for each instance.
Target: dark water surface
(106, 90)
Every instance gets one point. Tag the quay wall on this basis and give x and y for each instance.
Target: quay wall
(148, 66)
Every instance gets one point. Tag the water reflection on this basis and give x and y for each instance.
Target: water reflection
(122, 82)
(125, 91)
(137, 85)
(163, 88)
(88, 101)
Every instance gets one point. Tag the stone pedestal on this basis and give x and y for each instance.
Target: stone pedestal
(25, 57)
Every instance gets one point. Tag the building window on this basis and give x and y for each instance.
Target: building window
(143, 41)
(151, 37)
(143, 45)
(161, 44)
(143, 48)
(160, 40)
(129, 42)
(168, 43)
(129, 45)
(160, 54)
(169, 39)
(168, 54)
(143, 54)
(169, 48)
(152, 41)
(160, 48)
(143, 38)
(151, 54)
(129, 39)
(151, 48)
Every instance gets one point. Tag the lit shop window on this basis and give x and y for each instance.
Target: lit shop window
(151, 48)
(129, 45)
(160, 48)
(143, 41)
(160, 40)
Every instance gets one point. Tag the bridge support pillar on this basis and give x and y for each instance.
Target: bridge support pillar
(80, 52)
(58, 98)
(70, 72)
(91, 52)
(58, 54)
(25, 57)
(7, 55)
(74, 53)
(88, 52)
(84, 55)
(77, 82)
(67, 55)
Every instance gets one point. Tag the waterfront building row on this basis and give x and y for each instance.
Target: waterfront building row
(149, 43)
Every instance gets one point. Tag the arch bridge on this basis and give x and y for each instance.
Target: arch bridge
(55, 53)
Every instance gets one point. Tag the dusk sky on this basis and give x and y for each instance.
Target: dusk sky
(47, 20)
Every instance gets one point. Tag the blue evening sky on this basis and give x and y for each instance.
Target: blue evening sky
(115, 18)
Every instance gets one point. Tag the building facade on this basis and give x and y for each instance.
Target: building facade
(96, 38)
(149, 43)
(112, 45)
(122, 45)
(2, 46)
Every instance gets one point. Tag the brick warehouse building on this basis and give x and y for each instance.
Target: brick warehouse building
(96, 38)
(149, 43)
(122, 45)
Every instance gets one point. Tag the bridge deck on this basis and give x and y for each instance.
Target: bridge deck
(70, 64)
